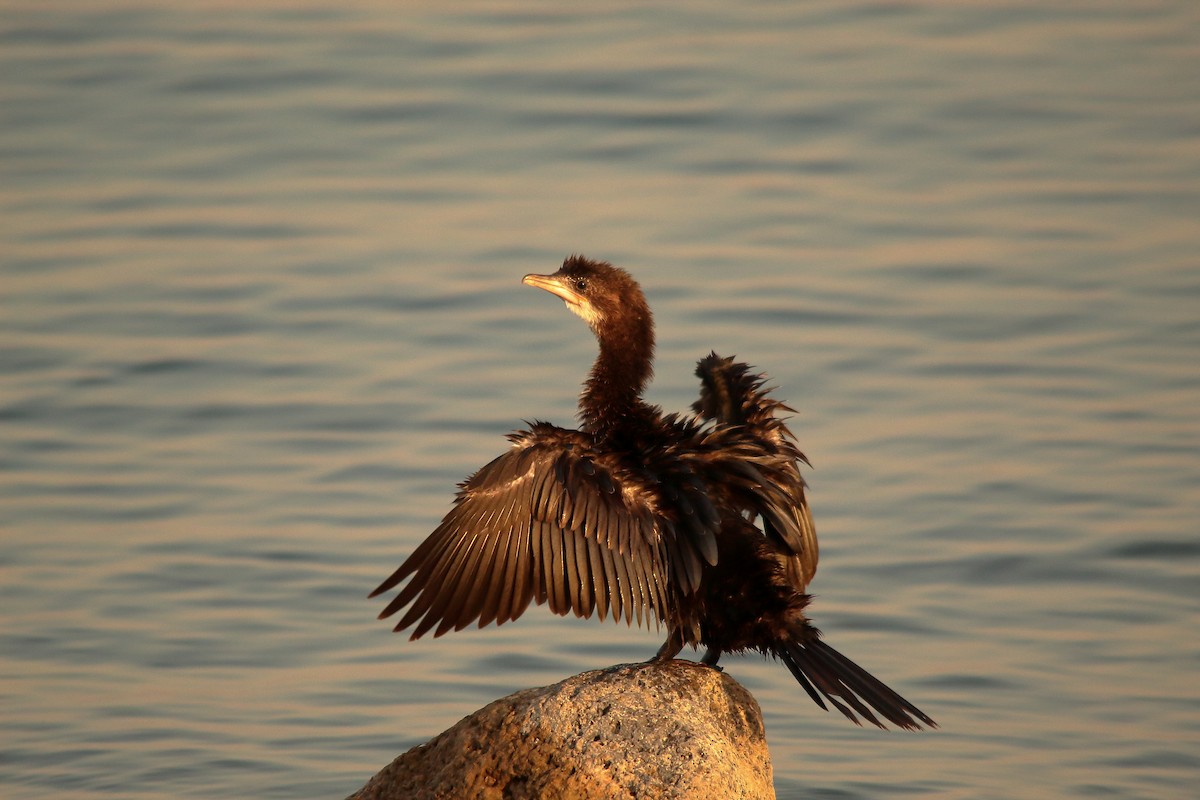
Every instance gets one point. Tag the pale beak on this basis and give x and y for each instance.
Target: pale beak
(555, 286)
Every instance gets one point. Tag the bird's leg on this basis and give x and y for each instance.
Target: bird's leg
(671, 646)
(711, 655)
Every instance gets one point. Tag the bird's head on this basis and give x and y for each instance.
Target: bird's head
(607, 298)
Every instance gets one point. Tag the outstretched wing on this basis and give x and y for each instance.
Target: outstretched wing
(772, 487)
(550, 521)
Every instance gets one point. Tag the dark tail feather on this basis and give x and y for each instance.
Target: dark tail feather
(823, 671)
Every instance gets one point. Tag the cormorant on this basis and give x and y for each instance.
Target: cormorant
(700, 523)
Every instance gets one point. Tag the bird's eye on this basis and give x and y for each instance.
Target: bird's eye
(580, 284)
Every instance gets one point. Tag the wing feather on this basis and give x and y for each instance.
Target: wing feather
(431, 607)
(539, 544)
(573, 584)
(600, 588)
(494, 576)
(518, 542)
(613, 590)
(524, 585)
(556, 570)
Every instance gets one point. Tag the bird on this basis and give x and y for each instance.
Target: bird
(697, 522)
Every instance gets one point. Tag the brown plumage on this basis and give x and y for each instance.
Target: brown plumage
(730, 394)
(699, 523)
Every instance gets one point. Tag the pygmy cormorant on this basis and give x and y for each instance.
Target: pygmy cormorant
(698, 522)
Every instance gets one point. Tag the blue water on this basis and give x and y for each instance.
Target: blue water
(260, 310)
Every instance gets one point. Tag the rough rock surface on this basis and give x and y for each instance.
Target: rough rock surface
(651, 731)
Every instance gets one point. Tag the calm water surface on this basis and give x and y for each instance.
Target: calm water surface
(261, 310)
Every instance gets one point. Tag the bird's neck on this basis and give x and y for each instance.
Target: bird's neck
(611, 404)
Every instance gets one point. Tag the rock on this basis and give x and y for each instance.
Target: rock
(671, 730)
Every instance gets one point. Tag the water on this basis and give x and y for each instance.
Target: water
(261, 311)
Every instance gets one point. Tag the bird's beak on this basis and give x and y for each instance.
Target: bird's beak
(555, 286)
